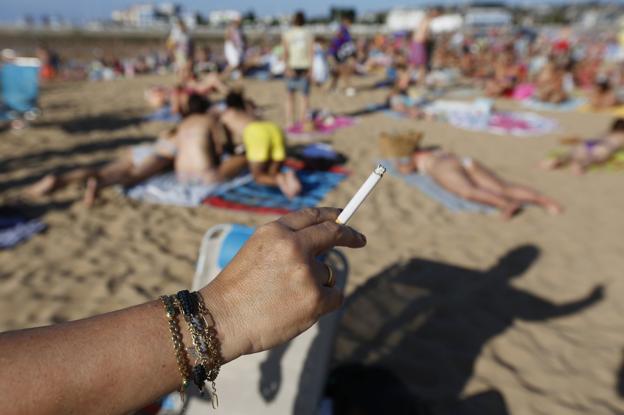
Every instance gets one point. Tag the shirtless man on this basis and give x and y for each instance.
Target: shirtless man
(264, 143)
(194, 148)
(469, 179)
(590, 152)
(202, 143)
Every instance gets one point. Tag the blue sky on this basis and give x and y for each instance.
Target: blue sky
(82, 10)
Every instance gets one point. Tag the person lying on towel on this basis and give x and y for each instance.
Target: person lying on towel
(264, 144)
(588, 153)
(603, 96)
(195, 147)
(550, 83)
(399, 99)
(134, 165)
(471, 180)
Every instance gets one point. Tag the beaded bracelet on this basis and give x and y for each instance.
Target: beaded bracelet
(188, 305)
(206, 348)
(176, 339)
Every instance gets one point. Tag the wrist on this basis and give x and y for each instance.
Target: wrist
(217, 304)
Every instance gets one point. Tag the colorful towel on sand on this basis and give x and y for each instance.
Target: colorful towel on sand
(429, 187)
(321, 128)
(523, 91)
(443, 108)
(568, 105)
(517, 124)
(479, 116)
(163, 114)
(16, 229)
(269, 200)
(394, 114)
(615, 163)
(167, 190)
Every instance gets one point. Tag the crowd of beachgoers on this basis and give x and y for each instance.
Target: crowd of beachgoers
(219, 131)
(218, 147)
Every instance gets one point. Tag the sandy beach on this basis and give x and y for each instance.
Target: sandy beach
(455, 305)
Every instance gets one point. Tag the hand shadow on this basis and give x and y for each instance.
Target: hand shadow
(271, 373)
(620, 378)
(315, 366)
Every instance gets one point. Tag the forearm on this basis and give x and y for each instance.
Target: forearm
(112, 363)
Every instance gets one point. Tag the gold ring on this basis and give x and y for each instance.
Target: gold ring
(331, 281)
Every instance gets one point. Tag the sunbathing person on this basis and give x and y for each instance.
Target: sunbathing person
(177, 98)
(135, 165)
(506, 76)
(400, 102)
(603, 96)
(471, 180)
(265, 147)
(206, 152)
(550, 84)
(590, 152)
(399, 99)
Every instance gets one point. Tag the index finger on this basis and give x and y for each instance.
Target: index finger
(307, 217)
(326, 235)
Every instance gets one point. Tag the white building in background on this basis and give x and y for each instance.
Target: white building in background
(447, 23)
(223, 17)
(149, 15)
(401, 19)
(488, 17)
(138, 15)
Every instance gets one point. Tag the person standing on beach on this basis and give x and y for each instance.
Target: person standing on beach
(298, 55)
(234, 47)
(180, 45)
(342, 57)
(421, 47)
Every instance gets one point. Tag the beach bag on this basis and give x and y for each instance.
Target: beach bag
(399, 145)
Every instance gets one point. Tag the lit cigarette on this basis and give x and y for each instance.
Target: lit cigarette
(361, 195)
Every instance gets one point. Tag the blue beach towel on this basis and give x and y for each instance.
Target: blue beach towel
(165, 189)
(15, 229)
(429, 187)
(265, 199)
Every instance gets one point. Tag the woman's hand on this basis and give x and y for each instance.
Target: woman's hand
(274, 289)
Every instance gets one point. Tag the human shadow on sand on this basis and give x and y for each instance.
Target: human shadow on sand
(89, 123)
(620, 378)
(37, 158)
(32, 178)
(33, 210)
(427, 322)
